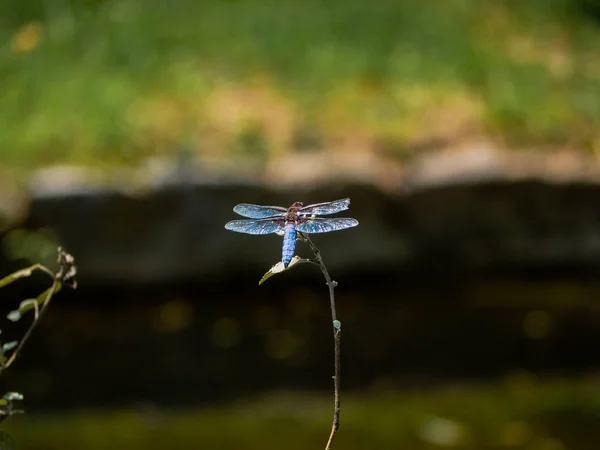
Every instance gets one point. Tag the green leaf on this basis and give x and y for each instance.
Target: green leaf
(16, 275)
(278, 268)
(272, 271)
(7, 406)
(14, 316)
(21, 274)
(13, 396)
(41, 299)
(28, 304)
(9, 346)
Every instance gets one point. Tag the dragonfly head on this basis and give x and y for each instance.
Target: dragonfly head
(297, 205)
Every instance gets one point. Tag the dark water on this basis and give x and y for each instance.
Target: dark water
(215, 341)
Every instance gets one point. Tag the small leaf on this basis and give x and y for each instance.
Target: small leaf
(17, 275)
(28, 304)
(9, 346)
(41, 299)
(279, 267)
(13, 396)
(14, 316)
(266, 276)
(7, 407)
(337, 325)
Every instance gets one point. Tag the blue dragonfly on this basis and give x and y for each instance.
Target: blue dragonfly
(289, 221)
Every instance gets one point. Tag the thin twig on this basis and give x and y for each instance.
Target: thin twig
(337, 335)
(65, 275)
(309, 261)
(45, 270)
(39, 312)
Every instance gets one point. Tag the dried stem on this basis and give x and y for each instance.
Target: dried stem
(337, 334)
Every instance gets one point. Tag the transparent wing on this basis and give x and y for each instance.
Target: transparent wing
(259, 212)
(318, 225)
(263, 226)
(320, 209)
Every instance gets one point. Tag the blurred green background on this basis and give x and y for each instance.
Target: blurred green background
(104, 81)
(500, 358)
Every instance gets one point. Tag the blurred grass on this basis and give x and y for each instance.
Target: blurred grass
(521, 413)
(101, 81)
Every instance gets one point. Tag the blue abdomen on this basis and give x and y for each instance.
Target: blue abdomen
(289, 244)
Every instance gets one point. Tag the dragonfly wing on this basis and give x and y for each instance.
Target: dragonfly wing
(320, 209)
(318, 225)
(259, 212)
(264, 226)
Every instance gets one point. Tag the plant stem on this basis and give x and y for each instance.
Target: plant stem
(337, 335)
(38, 313)
(66, 274)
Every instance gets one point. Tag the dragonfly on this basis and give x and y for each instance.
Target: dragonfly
(290, 221)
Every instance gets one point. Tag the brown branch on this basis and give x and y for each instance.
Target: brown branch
(337, 335)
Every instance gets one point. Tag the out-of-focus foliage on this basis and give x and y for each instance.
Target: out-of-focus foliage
(34, 246)
(106, 81)
(521, 413)
(10, 350)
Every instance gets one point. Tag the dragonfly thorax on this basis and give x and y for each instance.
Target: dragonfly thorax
(291, 216)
